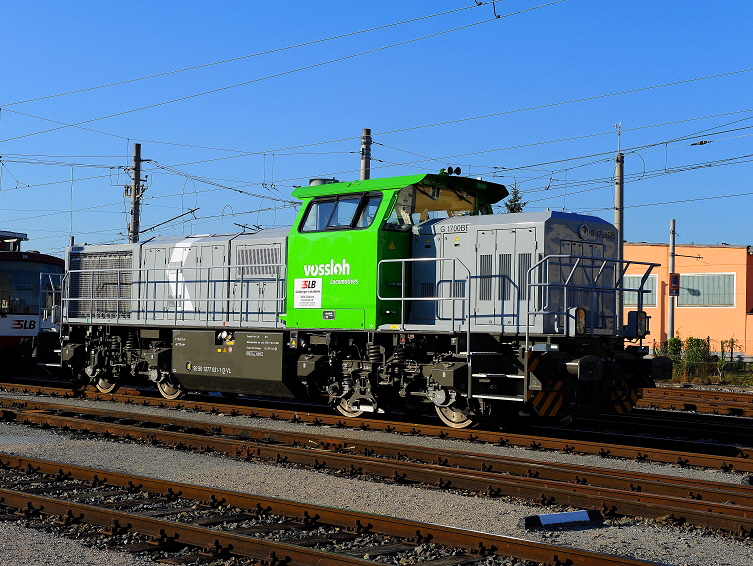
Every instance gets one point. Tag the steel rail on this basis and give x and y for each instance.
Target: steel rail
(202, 537)
(698, 400)
(616, 479)
(737, 458)
(716, 402)
(716, 394)
(690, 427)
(473, 541)
(255, 444)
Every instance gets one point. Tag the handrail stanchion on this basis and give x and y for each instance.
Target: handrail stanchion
(402, 296)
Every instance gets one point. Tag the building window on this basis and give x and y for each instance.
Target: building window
(707, 290)
(633, 282)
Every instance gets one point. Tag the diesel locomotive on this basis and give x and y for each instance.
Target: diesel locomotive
(400, 293)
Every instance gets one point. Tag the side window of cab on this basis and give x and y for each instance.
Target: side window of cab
(418, 203)
(341, 212)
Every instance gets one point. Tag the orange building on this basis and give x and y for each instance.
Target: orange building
(716, 292)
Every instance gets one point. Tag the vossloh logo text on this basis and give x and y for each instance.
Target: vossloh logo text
(331, 268)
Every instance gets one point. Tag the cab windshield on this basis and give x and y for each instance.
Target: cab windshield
(341, 212)
(418, 203)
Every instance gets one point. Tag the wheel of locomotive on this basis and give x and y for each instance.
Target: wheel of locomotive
(346, 410)
(456, 415)
(105, 383)
(170, 389)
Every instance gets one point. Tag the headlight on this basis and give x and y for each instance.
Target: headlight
(637, 325)
(641, 324)
(580, 321)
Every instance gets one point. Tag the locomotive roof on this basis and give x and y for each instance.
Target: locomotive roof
(541, 215)
(433, 226)
(194, 239)
(31, 257)
(488, 191)
(210, 238)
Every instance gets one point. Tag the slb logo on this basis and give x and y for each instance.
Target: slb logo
(24, 324)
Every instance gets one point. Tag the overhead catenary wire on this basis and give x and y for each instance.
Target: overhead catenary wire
(219, 185)
(244, 153)
(498, 169)
(240, 57)
(686, 137)
(606, 183)
(573, 183)
(680, 201)
(493, 115)
(280, 74)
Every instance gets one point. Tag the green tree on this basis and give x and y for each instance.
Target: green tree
(514, 202)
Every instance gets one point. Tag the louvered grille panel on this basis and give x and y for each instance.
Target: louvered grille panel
(486, 279)
(459, 289)
(505, 276)
(258, 260)
(524, 264)
(100, 285)
(427, 290)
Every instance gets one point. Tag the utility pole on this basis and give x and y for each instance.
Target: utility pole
(133, 226)
(366, 154)
(619, 171)
(671, 304)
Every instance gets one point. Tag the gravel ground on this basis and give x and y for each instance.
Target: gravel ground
(637, 538)
(24, 547)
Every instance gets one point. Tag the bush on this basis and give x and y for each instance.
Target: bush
(673, 348)
(690, 359)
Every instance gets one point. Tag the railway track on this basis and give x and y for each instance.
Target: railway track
(723, 506)
(699, 400)
(726, 403)
(187, 524)
(683, 428)
(604, 444)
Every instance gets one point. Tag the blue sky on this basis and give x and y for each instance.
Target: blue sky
(542, 73)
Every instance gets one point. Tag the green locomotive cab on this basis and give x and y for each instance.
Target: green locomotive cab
(344, 230)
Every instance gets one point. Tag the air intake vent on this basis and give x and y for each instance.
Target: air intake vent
(486, 277)
(505, 276)
(100, 285)
(524, 264)
(427, 290)
(258, 261)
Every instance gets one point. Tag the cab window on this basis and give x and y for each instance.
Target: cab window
(318, 215)
(368, 212)
(341, 213)
(344, 212)
(418, 203)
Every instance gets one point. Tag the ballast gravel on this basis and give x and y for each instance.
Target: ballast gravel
(637, 538)
(24, 547)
